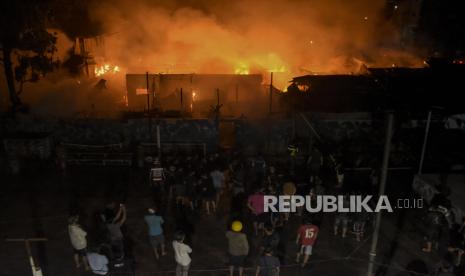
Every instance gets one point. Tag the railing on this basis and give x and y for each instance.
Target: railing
(98, 155)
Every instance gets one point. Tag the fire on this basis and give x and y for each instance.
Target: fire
(125, 101)
(106, 68)
(278, 69)
(262, 63)
(194, 94)
(241, 69)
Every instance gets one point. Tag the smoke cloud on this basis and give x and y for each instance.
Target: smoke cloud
(291, 38)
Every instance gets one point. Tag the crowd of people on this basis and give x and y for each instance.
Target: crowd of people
(199, 184)
(196, 184)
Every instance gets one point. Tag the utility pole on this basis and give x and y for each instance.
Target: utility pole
(153, 92)
(217, 108)
(36, 271)
(268, 142)
(271, 93)
(158, 141)
(425, 140)
(148, 106)
(148, 95)
(382, 187)
(182, 107)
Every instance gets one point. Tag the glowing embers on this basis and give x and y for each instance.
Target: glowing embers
(105, 69)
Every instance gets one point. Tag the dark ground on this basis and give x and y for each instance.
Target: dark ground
(37, 204)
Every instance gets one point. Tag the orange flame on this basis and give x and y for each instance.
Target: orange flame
(261, 63)
(106, 68)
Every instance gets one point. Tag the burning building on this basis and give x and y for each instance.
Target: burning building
(196, 94)
(392, 88)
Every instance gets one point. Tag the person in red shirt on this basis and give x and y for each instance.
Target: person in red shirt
(256, 204)
(306, 237)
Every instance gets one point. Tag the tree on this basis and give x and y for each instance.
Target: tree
(74, 19)
(26, 45)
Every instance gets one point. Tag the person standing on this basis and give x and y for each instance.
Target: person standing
(157, 182)
(116, 236)
(78, 239)
(256, 203)
(289, 189)
(157, 239)
(181, 254)
(170, 180)
(359, 222)
(191, 186)
(268, 265)
(238, 247)
(180, 188)
(270, 240)
(340, 176)
(272, 178)
(306, 237)
(217, 177)
(208, 193)
(435, 220)
(314, 163)
(342, 219)
(238, 177)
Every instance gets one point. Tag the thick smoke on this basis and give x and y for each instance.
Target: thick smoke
(288, 37)
(59, 94)
(292, 37)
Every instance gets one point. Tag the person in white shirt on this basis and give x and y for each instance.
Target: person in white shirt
(217, 177)
(181, 254)
(98, 262)
(77, 235)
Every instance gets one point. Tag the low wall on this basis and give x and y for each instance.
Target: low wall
(129, 132)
